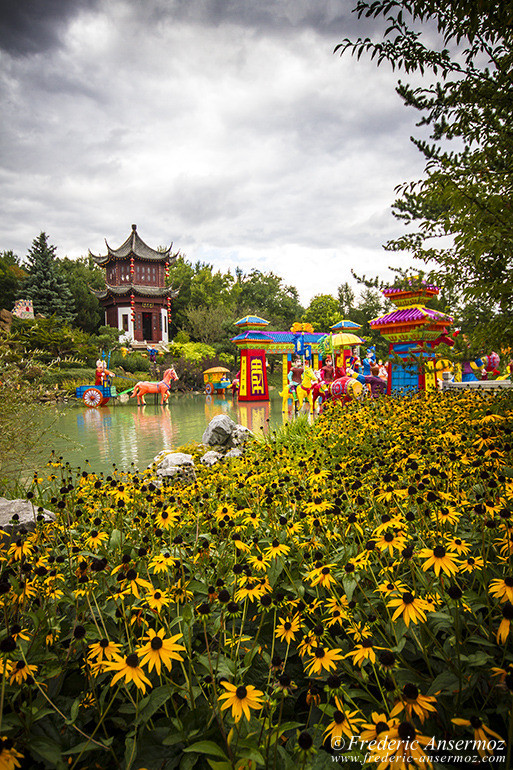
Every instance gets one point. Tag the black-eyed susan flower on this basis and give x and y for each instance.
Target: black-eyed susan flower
(20, 671)
(411, 607)
(400, 748)
(344, 723)
(323, 659)
(129, 669)
(380, 723)
(103, 650)
(502, 589)
(160, 650)
(322, 576)
(472, 564)
(362, 652)
(505, 626)
(241, 699)
(484, 746)
(9, 756)
(287, 628)
(95, 539)
(440, 559)
(259, 562)
(156, 599)
(277, 549)
(413, 703)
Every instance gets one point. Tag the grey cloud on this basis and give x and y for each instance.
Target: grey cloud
(32, 26)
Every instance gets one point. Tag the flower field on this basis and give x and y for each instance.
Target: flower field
(345, 590)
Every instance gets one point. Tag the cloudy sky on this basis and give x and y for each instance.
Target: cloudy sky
(228, 127)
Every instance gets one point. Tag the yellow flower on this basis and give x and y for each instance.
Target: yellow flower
(480, 734)
(400, 748)
(95, 539)
(410, 607)
(362, 652)
(277, 549)
(129, 669)
(103, 650)
(323, 659)
(440, 559)
(259, 562)
(241, 699)
(20, 671)
(414, 704)
(344, 723)
(286, 629)
(380, 724)
(502, 589)
(322, 576)
(157, 599)
(9, 756)
(159, 650)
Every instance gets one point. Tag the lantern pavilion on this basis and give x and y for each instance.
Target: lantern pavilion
(413, 332)
(136, 299)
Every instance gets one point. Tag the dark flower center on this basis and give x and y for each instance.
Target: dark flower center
(319, 652)
(287, 626)
(339, 717)
(132, 660)
(156, 643)
(439, 552)
(406, 731)
(475, 722)
(241, 692)
(381, 727)
(410, 691)
(157, 595)
(408, 598)
(508, 581)
(305, 741)
(507, 611)
(104, 643)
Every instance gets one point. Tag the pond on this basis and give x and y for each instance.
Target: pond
(125, 433)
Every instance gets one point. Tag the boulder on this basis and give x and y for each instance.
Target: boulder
(174, 464)
(219, 430)
(25, 515)
(240, 434)
(211, 457)
(235, 452)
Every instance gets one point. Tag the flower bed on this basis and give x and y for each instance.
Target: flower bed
(345, 591)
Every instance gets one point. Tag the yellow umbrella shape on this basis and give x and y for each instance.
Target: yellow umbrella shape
(345, 340)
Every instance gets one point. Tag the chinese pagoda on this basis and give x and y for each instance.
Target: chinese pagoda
(135, 298)
(413, 331)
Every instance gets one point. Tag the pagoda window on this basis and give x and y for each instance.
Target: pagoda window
(124, 322)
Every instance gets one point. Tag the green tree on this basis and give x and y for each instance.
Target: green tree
(266, 295)
(79, 275)
(346, 300)
(45, 286)
(468, 182)
(208, 324)
(12, 276)
(322, 312)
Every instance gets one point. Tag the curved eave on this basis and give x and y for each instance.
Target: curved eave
(130, 288)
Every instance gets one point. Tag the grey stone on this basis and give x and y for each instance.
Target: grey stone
(235, 452)
(212, 457)
(240, 434)
(26, 513)
(219, 430)
(174, 464)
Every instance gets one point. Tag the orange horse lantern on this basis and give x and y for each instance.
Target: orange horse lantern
(162, 387)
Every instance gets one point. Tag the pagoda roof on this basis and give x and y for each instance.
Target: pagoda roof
(345, 324)
(252, 335)
(251, 320)
(134, 288)
(413, 314)
(134, 246)
(290, 337)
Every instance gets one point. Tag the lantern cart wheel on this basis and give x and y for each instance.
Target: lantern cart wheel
(92, 398)
(209, 388)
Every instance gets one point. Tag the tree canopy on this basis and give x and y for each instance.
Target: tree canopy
(461, 208)
(45, 286)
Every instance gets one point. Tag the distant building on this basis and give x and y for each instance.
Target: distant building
(135, 298)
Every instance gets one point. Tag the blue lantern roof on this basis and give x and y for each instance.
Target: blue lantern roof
(251, 320)
(345, 324)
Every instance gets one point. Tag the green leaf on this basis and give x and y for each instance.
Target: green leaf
(153, 702)
(89, 746)
(349, 586)
(206, 747)
(275, 571)
(49, 750)
(219, 765)
(116, 538)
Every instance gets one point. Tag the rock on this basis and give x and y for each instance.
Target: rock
(212, 457)
(235, 452)
(218, 431)
(240, 434)
(174, 464)
(26, 515)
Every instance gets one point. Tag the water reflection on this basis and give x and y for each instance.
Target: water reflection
(126, 434)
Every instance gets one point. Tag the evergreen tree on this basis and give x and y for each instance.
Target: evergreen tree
(45, 286)
(11, 277)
